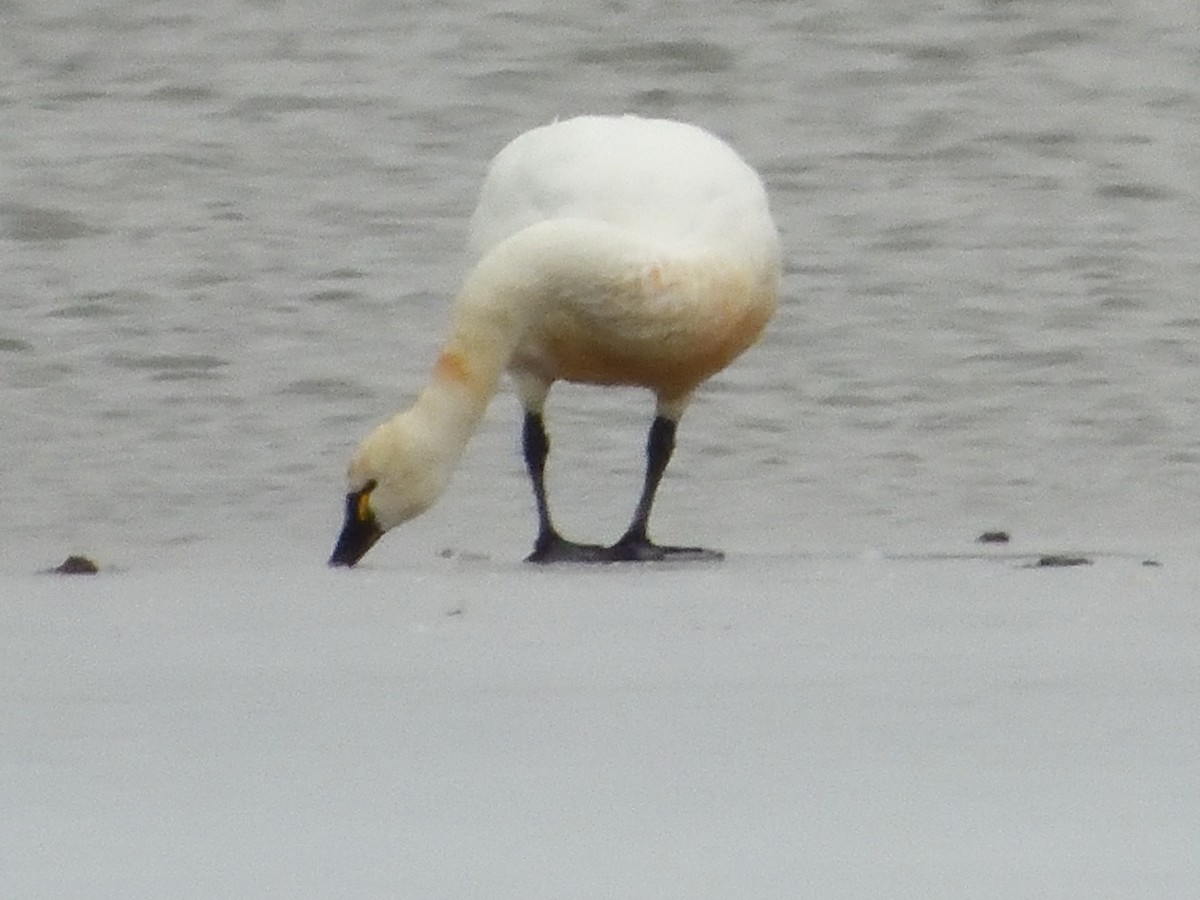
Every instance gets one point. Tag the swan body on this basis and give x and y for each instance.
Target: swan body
(608, 251)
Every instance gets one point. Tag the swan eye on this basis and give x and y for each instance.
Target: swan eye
(362, 503)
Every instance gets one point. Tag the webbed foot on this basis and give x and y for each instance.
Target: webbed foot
(644, 550)
(555, 548)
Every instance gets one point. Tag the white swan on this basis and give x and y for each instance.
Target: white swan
(611, 251)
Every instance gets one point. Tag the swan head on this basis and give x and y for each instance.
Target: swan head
(395, 476)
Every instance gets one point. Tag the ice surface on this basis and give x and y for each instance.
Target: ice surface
(766, 727)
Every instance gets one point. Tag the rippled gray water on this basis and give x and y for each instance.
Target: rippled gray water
(229, 231)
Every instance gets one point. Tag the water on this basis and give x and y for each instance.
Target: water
(229, 232)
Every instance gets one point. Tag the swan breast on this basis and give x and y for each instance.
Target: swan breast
(668, 327)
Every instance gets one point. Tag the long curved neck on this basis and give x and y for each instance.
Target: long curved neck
(504, 295)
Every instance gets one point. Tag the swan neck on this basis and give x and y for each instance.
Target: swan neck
(503, 297)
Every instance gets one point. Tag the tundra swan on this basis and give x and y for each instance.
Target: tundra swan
(610, 250)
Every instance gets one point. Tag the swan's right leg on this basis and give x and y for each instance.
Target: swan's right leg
(635, 545)
(550, 546)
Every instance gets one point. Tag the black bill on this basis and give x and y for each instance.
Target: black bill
(360, 531)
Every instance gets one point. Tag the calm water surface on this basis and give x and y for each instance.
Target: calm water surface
(229, 232)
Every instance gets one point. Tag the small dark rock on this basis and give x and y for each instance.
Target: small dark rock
(1058, 560)
(76, 565)
(993, 537)
(1152, 563)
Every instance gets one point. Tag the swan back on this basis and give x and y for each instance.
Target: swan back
(673, 186)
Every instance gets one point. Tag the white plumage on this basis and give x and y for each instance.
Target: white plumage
(608, 250)
(673, 184)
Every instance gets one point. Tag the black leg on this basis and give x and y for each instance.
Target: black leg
(635, 544)
(536, 446)
(660, 445)
(549, 546)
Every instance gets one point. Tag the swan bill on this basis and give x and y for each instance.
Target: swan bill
(359, 533)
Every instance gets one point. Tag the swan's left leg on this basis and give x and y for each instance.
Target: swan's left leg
(550, 546)
(635, 544)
